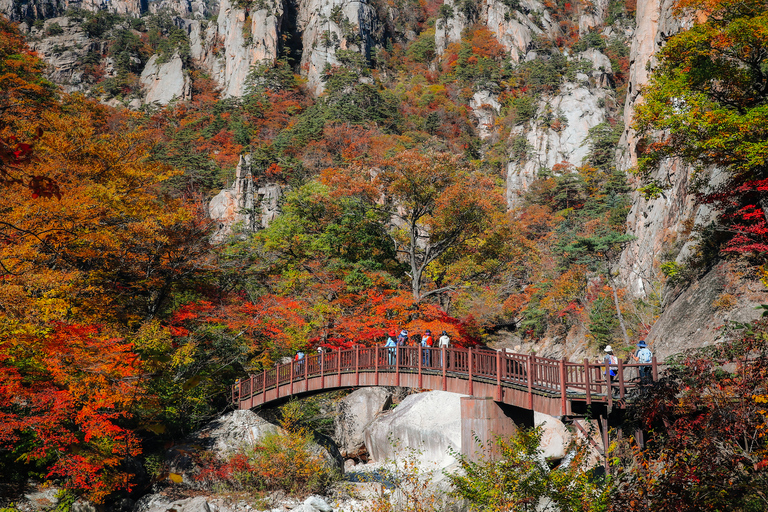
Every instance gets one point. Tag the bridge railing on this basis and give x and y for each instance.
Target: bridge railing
(553, 376)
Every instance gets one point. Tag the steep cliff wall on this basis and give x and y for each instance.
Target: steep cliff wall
(664, 227)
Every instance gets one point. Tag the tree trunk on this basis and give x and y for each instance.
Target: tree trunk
(618, 309)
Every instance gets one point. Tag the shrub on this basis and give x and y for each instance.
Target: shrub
(284, 461)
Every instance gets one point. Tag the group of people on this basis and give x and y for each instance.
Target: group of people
(642, 355)
(405, 340)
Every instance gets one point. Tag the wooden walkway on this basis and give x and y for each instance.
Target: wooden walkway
(550, 386)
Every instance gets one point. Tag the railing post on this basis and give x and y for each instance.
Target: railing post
(397, 366)
(443, 355)
(357, 365)
(529, 378)
(469, 369)
(290, 388)
(655, 372)
(587, 384)
(621, 378)
(322, 369)
(306, 374)
(338, 369)
(264, 386)
(253, 378)
(498, 375)
(420, 355)
(376, 365)
(563, 389)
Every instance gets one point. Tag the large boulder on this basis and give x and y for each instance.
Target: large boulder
(353, 414)
(555, 436)
(429, 423)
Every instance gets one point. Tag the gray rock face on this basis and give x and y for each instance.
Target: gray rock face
(577, 109)
(691, 320)
(64, 52)
(165, 82)
(353, 414)
(243, 39)
(429, 423)
(330, 25)
(658, 224)
(485, 107)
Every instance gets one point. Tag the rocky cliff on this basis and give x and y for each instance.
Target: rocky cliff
(225, 40)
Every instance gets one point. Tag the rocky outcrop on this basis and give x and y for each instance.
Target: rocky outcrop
(161, 503)
(64, 48)
(329, 26)
(696, 313)
(485, 107)
(429, 423)
(244, 204)
(661, 223)
(560, 139)
(165, 82)
(243, 38)
(555, 437)
(353, 414)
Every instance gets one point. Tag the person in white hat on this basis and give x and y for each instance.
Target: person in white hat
(611, 363)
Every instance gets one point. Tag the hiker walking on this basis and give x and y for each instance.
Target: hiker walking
(644, 356)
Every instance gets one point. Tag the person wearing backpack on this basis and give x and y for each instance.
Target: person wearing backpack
(643, 356)
(610, 361)
(391, 343)
(427, 342)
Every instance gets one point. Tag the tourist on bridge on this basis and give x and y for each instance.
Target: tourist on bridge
(299, 360)
(392, 344)
(427, 342)
(643, 356)
(402, 338)
(610, 361)
(443, 342)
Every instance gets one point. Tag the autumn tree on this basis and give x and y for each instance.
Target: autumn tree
(438, 210)
(82, 273)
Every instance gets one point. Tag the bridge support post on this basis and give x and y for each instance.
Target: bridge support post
(357, 365)
(420, 355)
(445, 363)
(482, 420)
(338, 367)
(376, 364)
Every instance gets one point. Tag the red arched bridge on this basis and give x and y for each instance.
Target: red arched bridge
(552, 386)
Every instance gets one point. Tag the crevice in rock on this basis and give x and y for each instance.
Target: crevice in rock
(291, 44)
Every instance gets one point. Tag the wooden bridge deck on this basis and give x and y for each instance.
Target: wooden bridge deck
(550, 386)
